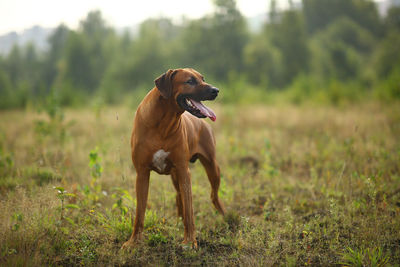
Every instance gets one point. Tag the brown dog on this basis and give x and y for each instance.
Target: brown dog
(165, 138)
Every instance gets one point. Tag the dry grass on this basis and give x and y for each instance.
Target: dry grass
(303, 186)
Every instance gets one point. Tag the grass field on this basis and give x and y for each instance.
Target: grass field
(302, 186)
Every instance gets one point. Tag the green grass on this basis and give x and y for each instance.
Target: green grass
(302, 186)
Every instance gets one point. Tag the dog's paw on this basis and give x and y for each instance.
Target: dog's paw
(129, 245)
(186, 245)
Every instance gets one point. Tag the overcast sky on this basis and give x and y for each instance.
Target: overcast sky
(17, 15)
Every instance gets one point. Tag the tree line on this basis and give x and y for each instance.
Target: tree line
(333, 49)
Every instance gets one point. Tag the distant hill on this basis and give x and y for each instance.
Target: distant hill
(37, 35)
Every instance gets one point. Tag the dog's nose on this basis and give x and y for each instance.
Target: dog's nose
(213, 91)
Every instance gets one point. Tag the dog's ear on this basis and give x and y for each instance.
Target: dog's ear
(164, 83)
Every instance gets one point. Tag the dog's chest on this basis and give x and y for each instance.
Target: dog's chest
(159, 160)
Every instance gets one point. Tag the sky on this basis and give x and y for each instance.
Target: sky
(17, 15)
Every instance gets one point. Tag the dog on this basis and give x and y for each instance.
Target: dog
(167, 134)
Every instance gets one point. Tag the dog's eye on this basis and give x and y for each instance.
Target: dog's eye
(191, 81)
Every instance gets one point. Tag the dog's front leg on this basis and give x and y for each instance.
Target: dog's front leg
(185, 188)
(142, 190)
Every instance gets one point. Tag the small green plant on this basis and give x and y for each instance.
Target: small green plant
(123, 200)
(62, 195)
(94, 191)
(6, 164)
(55, 125)
(17, 219)
(364, 257)
(155, 239)
(151, 220)
(121, 225)
(94, 163)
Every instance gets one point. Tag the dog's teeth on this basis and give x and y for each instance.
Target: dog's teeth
(189, 103)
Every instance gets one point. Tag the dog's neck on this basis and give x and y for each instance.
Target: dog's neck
(165, 113)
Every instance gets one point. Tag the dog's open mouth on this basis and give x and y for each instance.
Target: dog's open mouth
(196, 108)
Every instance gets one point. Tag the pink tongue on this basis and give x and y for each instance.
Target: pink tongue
(204, 110)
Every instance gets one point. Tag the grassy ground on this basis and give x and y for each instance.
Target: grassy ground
(302, 186)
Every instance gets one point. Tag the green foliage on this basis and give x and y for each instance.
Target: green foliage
(392, 21)
(94, 163)
(17, 219)
(289, 37)
(321, 13)
(123, 199)
(94, 192)
(387, 55)
(62, 195)
(340, 51)
(389, 89)
(6, 164)
(214, 44)
(263, 63)
(53, 127)
(365, 257)
(156, 239)
(342, 40)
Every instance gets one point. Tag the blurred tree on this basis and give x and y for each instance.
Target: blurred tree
(143, 59)
(88, 53)
(5, 89)
(392, 19)
(338, 43)
(215, 43)
(57, 41)
(387, 55)
(32, 70)
(21, 68)
(94, 26)
(78, 66)
(320, 13)
(149, 51)
(350, 33)
(263, 63)
(273, 13)
(340, 50)
(14, 65)
(288, 35)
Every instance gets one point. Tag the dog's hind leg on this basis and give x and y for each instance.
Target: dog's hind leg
(214, 177)
(185, 189)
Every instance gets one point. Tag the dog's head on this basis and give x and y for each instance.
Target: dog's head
(187, 88)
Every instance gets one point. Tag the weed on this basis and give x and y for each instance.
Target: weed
(6, 164)
(364, 257)
(62, 195)
(123, 200)
(54, 126)
(94, 164)
(17, 219)
(155, 239)
(93, 192)
(44, 176)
